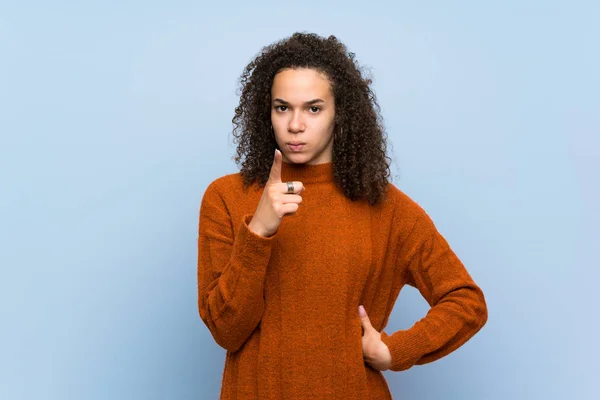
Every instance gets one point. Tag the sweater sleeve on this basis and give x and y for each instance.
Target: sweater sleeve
(231, 273)
(458, 308)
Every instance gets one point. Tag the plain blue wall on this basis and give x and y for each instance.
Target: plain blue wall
(115, 117)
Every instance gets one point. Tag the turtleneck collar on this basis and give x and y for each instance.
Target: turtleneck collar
(307, 173)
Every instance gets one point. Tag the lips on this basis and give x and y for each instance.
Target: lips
(296, 146)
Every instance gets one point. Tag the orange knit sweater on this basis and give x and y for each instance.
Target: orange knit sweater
(286, 307)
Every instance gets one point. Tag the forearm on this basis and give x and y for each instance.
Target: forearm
(458, 307)
(231, 301)
(447, 326)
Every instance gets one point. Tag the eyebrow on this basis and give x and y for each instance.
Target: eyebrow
(308, 103)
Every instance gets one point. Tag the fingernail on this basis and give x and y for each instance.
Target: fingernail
(361, 311)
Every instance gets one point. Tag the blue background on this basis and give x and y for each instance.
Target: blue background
(115, 116)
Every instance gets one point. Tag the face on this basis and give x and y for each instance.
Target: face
(302, 114)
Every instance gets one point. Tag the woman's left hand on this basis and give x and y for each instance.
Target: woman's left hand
(375, 352)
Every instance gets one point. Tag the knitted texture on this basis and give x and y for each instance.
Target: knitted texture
(286, 307)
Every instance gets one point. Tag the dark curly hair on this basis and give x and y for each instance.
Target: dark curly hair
(360, 165)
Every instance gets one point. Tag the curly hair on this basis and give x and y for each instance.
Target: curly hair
(360, 165)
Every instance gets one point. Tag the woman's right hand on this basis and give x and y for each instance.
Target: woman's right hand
(275, 202)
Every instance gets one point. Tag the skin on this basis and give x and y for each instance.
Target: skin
(375, 352)
(303, 110)
(363, 173)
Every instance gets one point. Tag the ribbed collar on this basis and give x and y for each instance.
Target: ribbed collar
(307, 173)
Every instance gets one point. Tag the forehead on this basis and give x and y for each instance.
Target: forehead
(300, 85)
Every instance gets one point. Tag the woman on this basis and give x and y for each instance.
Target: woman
(309, 230)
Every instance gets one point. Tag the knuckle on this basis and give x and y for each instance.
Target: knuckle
(278, 211)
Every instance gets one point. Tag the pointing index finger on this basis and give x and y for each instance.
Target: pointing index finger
(275, 175)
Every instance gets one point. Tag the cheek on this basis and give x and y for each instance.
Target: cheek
(279, 121)
(278, 125)
(326, 131)
(322, 125)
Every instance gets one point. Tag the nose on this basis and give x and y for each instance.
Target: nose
(296, 124)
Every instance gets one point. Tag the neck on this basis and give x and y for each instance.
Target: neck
(306, 173)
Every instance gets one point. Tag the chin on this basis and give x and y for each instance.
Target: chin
(298, 158)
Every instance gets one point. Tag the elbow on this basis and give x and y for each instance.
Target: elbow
(480, 312)
(484, 316)
(228, 339)
(229, 333)
(474, 311)
(231, 343)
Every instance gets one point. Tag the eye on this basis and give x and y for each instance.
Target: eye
(281, 108)
(315, 109)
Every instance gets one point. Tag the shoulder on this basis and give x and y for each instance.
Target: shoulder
(402, 203)
(227, 189)
(224, 184)
(408, 215)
